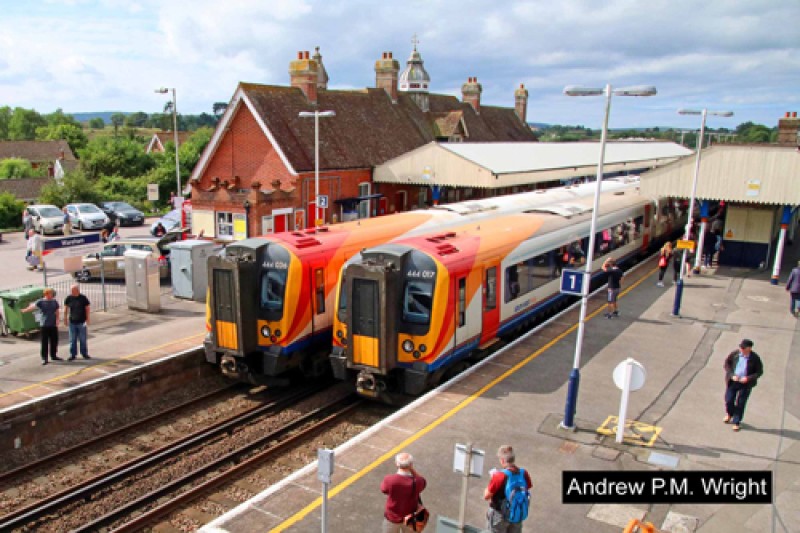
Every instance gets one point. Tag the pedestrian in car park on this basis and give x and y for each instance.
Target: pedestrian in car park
(793, 287)
(33, 250)
(496, 494)
(742, 367)
(67, 229)
(402, 489)
(615, 275)
(48, 309)
(76, 317)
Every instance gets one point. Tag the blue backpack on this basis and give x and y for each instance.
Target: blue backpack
(518, 497)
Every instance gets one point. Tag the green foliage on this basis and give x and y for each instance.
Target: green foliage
(97, 123)
(136, 120)
(69, 132)
(109, 156)
(58, 118)
(219, 108)
(131, 190)
(10, 210)
(76, 188)
(755, 133)
(5, 118)
(117, 120)
(23, 123)
(14, 167)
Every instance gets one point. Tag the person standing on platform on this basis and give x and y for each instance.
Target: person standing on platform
(402, 491)
(614, 285)
(664, 258)
(793, 287)
(49, 309)
(742, 367)
(76, 318)
(505, 516)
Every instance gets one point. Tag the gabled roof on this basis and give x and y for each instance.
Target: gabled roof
(36, 150)
(161, 138)
(27, 189)
(368, 128)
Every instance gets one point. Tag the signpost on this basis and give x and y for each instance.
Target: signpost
(152, 192)
(324, 474)
(629, 376)
(72, 246)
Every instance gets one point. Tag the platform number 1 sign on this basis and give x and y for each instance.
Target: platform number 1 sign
(572, 282)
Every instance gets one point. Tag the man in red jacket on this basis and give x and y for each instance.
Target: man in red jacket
(402, 491)
(495, 492)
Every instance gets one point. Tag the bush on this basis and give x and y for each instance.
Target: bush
(10, 210)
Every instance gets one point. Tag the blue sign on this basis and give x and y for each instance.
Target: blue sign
(572, 281)
(72, 246)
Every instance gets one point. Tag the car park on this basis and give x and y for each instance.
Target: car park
(86, 216)
(122, 213)
(112, 257)
(170, 221)
(46, 219)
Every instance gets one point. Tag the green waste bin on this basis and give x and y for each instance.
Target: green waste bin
(13, 304)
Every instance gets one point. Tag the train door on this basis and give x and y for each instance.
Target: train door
(366, 320)
(491, 307)
(646, 230)
(382, 206)
(461, 310)
(224, 300)
(318, 304)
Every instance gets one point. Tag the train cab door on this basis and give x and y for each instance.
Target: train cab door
(226, 333)
(318, 306)
(491, 304)
(365, 322)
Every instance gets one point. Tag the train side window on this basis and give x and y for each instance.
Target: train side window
(490, 289)
(512, 289)
(462, 302)
(417, 302)
(342, 310)
(319, 289)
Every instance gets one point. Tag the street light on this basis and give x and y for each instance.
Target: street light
(316, 114)
(574, 376)
(164, 90)
(676, 307)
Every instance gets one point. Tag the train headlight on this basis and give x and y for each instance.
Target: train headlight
(423, 348)
(265, 332)
(408, 346)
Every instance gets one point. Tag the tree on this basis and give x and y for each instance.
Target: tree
(23, 123)
(117, 119)
(5, 118)
(14, 167)
(110, 156)
(219, 108)
(10, 210)
(69, 132)
(58, 118)
(97, 123)
(76, 188)
(136, 120)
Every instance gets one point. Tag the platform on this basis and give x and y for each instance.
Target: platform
(518, 398)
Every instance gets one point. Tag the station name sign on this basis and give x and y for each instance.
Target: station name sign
(72, 246)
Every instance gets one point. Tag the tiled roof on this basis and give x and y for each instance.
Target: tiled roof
(36, 150)
(446, 124)
(26, 189)
(368, 128)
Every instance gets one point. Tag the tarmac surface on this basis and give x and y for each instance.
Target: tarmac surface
(518, 397)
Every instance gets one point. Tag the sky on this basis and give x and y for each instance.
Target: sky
(110, 55)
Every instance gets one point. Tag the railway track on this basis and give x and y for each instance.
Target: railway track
(127, 487)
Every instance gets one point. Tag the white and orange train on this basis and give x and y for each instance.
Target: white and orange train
(271, 298)
(412, 312)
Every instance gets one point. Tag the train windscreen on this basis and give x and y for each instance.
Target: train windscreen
(274, 275)
(418, 301)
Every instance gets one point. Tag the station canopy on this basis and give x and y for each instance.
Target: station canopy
(496, 165)
(764, 174)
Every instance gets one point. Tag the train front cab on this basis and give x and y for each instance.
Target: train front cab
(247, 293)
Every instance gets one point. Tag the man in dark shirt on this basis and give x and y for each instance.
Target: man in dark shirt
(402, 491)
(614, 285)
(76, 318)
(48, 321)
(742, 367)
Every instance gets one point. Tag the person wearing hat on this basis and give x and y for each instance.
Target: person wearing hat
(793, 287)
(743, 367)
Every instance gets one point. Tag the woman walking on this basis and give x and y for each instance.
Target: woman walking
(664, 257)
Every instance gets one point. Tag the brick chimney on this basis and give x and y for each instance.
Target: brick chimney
(471, 94)
(386, 69)
(303, 72)
(789, 130)
(521, 103)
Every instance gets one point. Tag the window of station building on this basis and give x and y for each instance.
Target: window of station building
(319, 289)
(490, 289)
(224, 225)
(462, 302)
(417, 302)
(363, 205)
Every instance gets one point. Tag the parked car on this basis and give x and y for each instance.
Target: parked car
(86, 216)
(122, 213)
(46, 219)
(113, 256)
(170, 221)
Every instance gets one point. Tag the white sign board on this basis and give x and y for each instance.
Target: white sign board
(476, 460)
(324, 465)
(323, 201)
(638, 374)
(152, 192)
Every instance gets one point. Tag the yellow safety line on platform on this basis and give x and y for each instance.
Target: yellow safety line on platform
(83, 369)
(299, 515)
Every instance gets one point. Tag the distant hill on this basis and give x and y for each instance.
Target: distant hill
(105, 115)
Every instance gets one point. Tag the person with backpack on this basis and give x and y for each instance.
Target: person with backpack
(508, 494)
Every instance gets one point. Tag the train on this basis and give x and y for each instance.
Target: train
(270, 301)
(413, 312)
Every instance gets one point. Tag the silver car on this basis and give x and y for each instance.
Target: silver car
(86, 216)
(46, 219)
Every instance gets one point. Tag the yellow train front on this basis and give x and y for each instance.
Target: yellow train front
(414, 312)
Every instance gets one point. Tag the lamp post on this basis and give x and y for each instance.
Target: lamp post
(247, 206)
(316, 114)
(164, 90)
(676, 307)
(574, 376)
